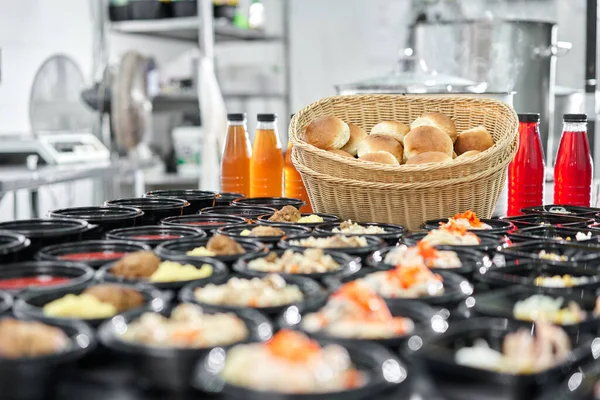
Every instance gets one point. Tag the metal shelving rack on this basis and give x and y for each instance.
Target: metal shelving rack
(207, 32)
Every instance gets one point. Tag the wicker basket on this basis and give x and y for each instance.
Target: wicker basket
(407, 194)
(367, 110)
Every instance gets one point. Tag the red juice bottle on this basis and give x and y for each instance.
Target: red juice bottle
(573, 168)
(526, 171)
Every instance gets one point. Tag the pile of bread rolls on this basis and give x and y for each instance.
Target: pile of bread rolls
(431, 138)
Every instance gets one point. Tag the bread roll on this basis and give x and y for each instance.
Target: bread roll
(342, 153)
(395, 129)
(454, 155)
(477, 138)
(357, 134)
(470, 153)
(378, 142)
(427, 138)
(429, 157)
(438, 120)
(381, 157)
(327, 133)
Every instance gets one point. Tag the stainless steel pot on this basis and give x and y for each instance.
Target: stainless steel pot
(566, 101)
(508, 55)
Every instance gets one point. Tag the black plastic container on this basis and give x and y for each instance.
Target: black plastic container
(185, 8)
(150, 9)
(471, 260)
(437, 356)
(488, 243)
(420, 313)
(383, 372)
(500, 303)
(393, 233)
(13, 247)
(499, 227)
(235, 232)
(273, 202)
(572, 211)
(524, 274)
(31, 304)
(94, 253)
(198, 199)
(553, 233)
(456, 289)
(580, 253)
(525, 221)
(104, 218)
(154, 208)
(80, 275)
(250, 213)
(581, 384)
(225, 199)
(167, 368)
(155, 235)
(348, 265)
(311, 290)
(34, 378)
(219, 275)
(208, 223)
(6, 302)
(372, 244)
(327, 218)
(176, 250)
(46, 231)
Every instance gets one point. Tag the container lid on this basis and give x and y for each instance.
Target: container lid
(266, 117)
(531, 117)
(97, 213)
(185, 194)
(149, 203)
(412, 75)
(575, 118)
(238, 117)
(43, 227)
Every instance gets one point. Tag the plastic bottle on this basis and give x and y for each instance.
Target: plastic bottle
(235, 160)
(294, 186)
(526, 171)
(266, 164)
(573, 168)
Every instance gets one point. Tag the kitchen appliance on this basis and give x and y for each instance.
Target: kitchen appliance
(507, 54)
(52, 148)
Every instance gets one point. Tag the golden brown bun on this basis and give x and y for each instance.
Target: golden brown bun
(427, 138)
(477, 138)
(454, 155)
(381, 157)
(341, 153)
(378, 142)
(470, 153)
(327, 133)
(395, 129)
(429, 157)
(438, 120)
(356, 135)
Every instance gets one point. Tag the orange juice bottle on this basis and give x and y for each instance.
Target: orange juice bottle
(266, 164)
(235, 161)
(294, 187)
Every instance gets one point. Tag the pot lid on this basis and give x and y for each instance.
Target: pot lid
(412, 75)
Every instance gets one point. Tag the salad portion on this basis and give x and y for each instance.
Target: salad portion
(352, 228)
(522, 352)
(558, 281)
(423, 254)
(545, 308)
(331, 242)
(290, 214)
(357, 311)
(292, 363)
(409, 281)
(467, 220)
(310, 261)
(451, 234)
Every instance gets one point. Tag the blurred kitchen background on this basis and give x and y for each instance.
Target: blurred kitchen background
(110, 98)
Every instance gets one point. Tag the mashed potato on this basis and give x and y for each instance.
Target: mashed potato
(201, 252)
(310, 219)
(170, 271)
(83, 306)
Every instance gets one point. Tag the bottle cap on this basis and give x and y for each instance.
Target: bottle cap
(266, 117)
(575, 118)
(530, 117)
(240, 117)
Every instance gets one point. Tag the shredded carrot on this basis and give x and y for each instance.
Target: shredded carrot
(185, 335)
(253, 302)
(294, 269)
(352, 379)
(293, 346)
(427, 251)
(453, 227)
(471, 217)
(406, 277)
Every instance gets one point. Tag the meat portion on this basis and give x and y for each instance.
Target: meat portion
(286, 214)
(141, 264)
(266, 230)
(123, 298)
(30, 339)
(223, 245)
